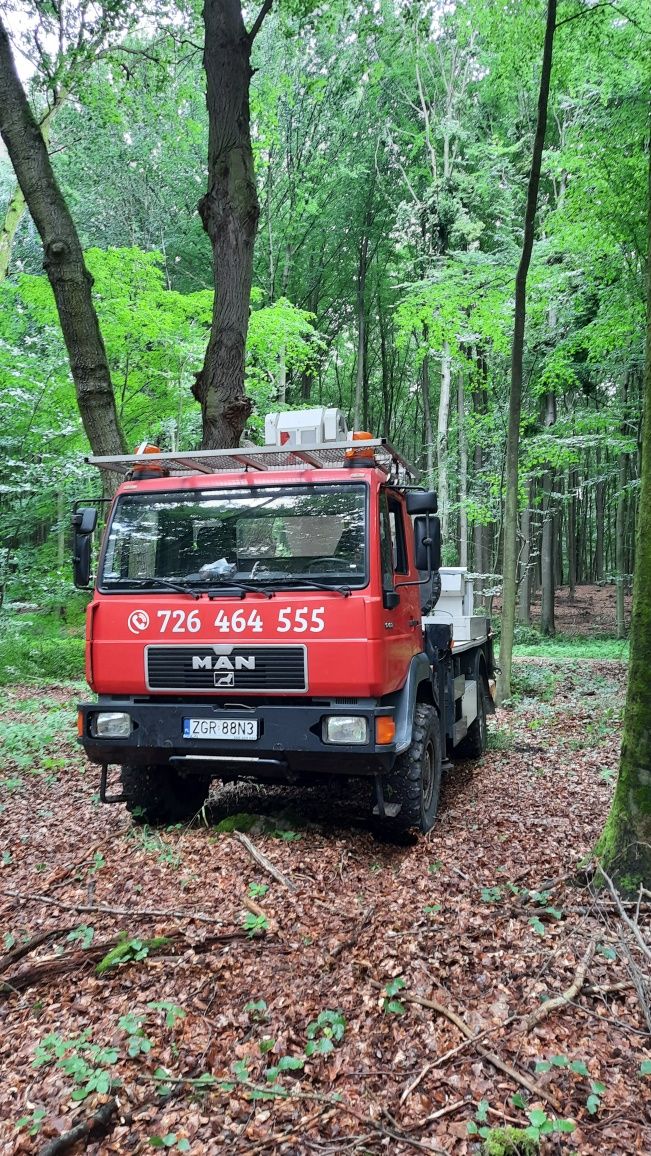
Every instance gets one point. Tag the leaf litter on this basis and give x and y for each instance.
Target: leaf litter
(386, 997)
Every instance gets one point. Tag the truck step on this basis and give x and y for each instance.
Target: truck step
(391, 810)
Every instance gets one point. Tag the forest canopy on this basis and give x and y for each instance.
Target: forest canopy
(391, 145)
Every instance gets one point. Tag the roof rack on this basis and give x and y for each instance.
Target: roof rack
(247, 458)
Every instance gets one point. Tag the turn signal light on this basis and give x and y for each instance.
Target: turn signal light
(360, 454)
(385, 729)
(80, 723)
(148, 469)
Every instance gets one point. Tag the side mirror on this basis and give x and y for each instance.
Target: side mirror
(427, 543)
(421, 502)
(84, 522)
(81, 560)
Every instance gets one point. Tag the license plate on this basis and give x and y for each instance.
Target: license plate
(220, 728)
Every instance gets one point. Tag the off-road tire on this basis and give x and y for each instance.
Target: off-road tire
(475, 742)
(415, 780)
(159, 795)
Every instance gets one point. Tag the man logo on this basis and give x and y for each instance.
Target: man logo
(223, 662)
(225, 679)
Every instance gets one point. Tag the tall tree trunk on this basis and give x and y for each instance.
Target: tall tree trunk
(362, 266)
(620, 548)
(16, 205)
(524, 584)
(64, 261)
(229, 212)
(463, 473)
(600, 513)
(510, 563)
(547, 551)
(428, 430)
(442, 443)
(625, 844)
(571, 533)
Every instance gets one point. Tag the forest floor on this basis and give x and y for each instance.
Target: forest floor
(329, 1015)
(592, 611)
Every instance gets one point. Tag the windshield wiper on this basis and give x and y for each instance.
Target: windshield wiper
(308, 584)
(218, 583)
(145, 583)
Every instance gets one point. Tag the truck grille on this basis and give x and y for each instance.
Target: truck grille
(226, 669)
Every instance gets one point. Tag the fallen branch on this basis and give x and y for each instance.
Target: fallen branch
(496, 1062)
(630, 923)
(278, 1093)
(103, 909)
(100, 1121)
(18, 953)
(571, 992)
(263, 862)
(449, 1108)
(352, 939)
(414, 1083)
(255, 909)
(56, 965)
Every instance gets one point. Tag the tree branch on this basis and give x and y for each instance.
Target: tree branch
(259, 20)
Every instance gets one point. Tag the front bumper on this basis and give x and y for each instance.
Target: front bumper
(290, 740)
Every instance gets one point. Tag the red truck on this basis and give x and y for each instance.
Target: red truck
(276, 613)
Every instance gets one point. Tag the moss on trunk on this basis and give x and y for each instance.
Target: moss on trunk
(625, 844)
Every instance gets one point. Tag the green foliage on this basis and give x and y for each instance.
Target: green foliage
(254, 924)
(32, 1123)
(390, 1004)
(84, 1062)
(324, 1033)
(129, 950)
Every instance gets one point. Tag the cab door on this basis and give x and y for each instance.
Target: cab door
(402, 623)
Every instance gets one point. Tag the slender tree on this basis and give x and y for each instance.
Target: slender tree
(625, 844)
(229, 211)
(510, 564)
(64, 261)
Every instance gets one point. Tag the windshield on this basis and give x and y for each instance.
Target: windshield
(270, 534)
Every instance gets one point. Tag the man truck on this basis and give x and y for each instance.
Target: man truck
(280, 613)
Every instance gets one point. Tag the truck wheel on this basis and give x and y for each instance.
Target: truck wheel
(158, 794)
(415, 781)
(476, 740)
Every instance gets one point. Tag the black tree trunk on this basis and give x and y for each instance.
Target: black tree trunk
(64, 261)
(229, 211)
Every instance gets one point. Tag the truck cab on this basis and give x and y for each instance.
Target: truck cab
(269, 612)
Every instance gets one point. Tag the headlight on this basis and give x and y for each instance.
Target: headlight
(343, 728)
(111, 725)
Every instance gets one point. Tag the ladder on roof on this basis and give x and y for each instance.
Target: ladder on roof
(318, 457)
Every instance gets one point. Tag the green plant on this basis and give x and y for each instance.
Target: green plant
(139, 1043)
(258, 890)
(254, 924)
(593, 1102)
(491, 894)
(645, 1068)
(324, 1032)
(257, 1010)
(82, 934)
(32, 1123)
(170, 1140)
(285, 1064)
(172, 1010)
(128, 950)
(390, 1004)
(500, 739)
(86, 1063)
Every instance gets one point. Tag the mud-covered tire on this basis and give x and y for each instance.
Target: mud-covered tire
(475, 742)
(159, 795)
(415, 781)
